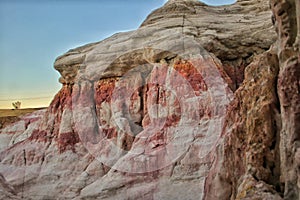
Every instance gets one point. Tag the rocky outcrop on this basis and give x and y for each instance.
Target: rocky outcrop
(234, 34)
(7, 191)
(267, 144)
(199, 102)
(248, 162)
(287, 17)
(20, 130)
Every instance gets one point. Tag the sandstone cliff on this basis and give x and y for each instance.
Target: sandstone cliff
(199, 102)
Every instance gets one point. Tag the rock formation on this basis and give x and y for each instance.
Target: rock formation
(199, 102)
(287, 16)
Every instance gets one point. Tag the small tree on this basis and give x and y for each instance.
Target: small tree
(17, 105)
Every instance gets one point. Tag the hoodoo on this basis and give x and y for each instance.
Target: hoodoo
(199, 102)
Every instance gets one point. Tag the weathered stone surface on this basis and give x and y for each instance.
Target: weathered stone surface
(287, 17)
(188, 106)
(250, 144)
(232, 33)
(20, 130)
(267, 144)
(6, 190)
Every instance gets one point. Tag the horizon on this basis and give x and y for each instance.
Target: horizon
(35, 33)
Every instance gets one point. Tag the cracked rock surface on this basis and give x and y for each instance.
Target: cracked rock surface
(199, 102)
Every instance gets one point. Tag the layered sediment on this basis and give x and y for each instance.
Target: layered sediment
(199, 102)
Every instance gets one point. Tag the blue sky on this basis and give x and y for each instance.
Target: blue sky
(34, 32)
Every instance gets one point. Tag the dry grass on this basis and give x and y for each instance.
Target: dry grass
(9, 116)
(17, 112)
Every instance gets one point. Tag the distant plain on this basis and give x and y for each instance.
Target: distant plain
(10, 116)
(17, 112)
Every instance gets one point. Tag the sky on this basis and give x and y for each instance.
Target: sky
(33, 33)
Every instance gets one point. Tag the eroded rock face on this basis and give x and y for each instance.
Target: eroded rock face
(287, 16)
(247, 158)
(188, 106)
